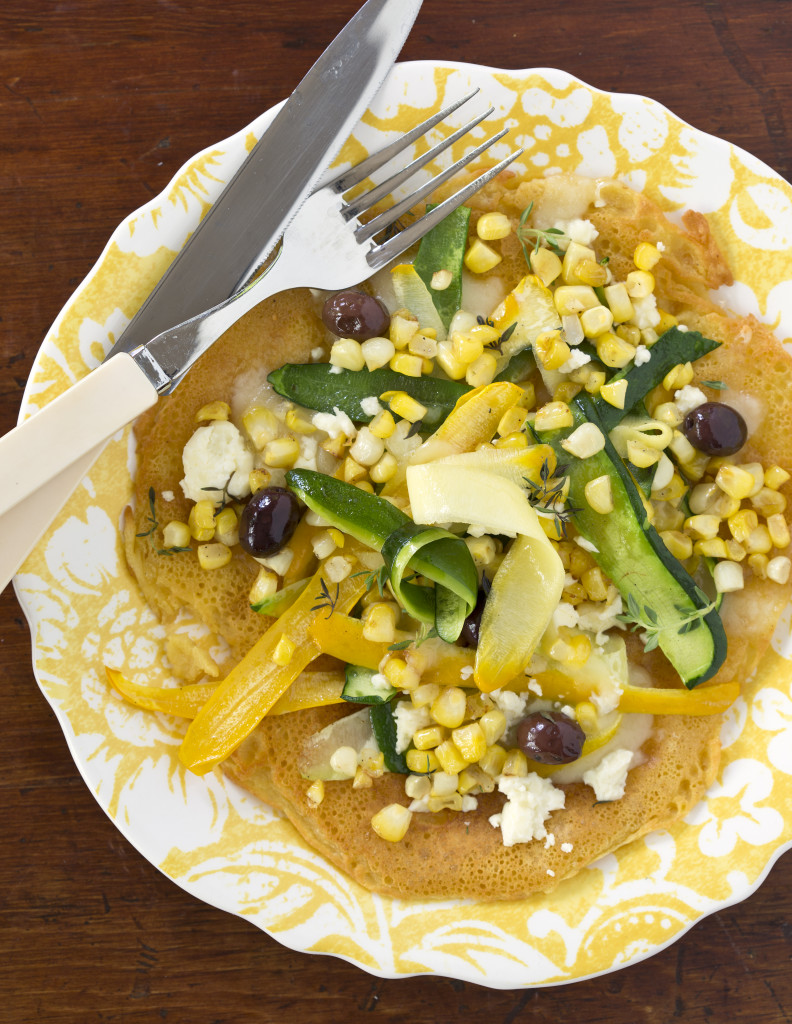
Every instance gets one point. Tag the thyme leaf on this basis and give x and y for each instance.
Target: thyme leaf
(716, 385)
(546, 496)
(326, 600)
(536, 237)
(646, 618)
(152, 517)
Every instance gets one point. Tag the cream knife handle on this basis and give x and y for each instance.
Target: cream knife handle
(72, 425)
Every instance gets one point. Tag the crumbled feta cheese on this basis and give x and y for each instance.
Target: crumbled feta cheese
(168, 496)
(466, 671)
(688, 398)
(408, 721)
(567, 847)
(586, 544)
(660, 246)
(530, 800)
(317, 354)
(645, 312)
(569, 711)
(380, 682)
(216, 456)
(565, 615)
(278, 563)
(578, 230)
(469, 803)
(334, 423)
(642, 355)
(549, 840)
(511, 704)
(534, 687)
(609, 778)
(370, 405)
(551, 872)
(575, 361)
(336, 369)
(307, 456)
(682, 328)
(596, 618)
(609, 700)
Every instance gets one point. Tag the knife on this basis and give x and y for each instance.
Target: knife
(244, 224)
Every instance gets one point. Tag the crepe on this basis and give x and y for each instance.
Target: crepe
(449, 854)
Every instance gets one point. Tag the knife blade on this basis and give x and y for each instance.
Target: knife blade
(250, 215)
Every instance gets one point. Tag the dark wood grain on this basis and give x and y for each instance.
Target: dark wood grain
(100, 104)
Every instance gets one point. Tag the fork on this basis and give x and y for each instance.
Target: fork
(327, 246)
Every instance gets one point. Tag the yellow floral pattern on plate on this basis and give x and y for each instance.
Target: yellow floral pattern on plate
(230, 850)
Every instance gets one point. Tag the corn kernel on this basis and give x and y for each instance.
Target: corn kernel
(444, 783)
(758, 541)
(553, 416)
(551, 351)
(702, 527)
(474, 779)
(450, 757)
(449, 708)
(470, 741)
(227, 527)
(516, 763)
(424, 694)
(629, 333)
(404, 405)
(201, 520)
(213, 411)
(481, 257)
(448, 362)
(476, 704)
(335, 445)
(493, 726)
(585, 441)
(759, 564)
(347, 354)
(673, 491)
(734, 552)
(409, 365)
(377, 352)
(416, 787)
(281, 453)
(380, 622)
(422, 345)
(258, 479)
(590, 272)
(618, 299)
(778, 569)
(299, 424)
(422, 760)
(482, 370)
(337, 568)
(666, 321)
(646, 255)
(778, 529)
(493, 761)
(176, 535)
(403, 326)
(491, 226)
(639, 284)
(512, 420)
(594, 382)
(599, 494)
(595, 583)
(678, 543)
(775, 477)
(384, 469)
(284, 651)
(596, 321)
(362, 779)
(429, 737)
(742, 523)
(383, 424)
(466, 347)
(392, 822)
(575, 254)
(482, 550)
(642, 455)
(613, 351)
(566, 391)
(574, 298)
(485, 333)
(266, 585)
(343, 760)
(715, 547)
(261, 425)
(728, 577)
(546, 265)
(768, 502)
(316, 792)
(213, 556)
(400, 674)
(678, 376)
(735, 481)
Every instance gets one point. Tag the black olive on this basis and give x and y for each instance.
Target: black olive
(352, 314)
(471, 628)
(715, 428)
(550, 737)
(268, 521)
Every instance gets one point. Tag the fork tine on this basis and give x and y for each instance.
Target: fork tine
(368, 199)
(394, 212)
(382, 254)
(361, 171)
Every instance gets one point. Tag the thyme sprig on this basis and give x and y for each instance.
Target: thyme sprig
(536, 237)
(152, 518)
(498, 344)
(425, 633)
(226, 497)
(547, 494)
(326, 600)
(376, 576)
(646, 618)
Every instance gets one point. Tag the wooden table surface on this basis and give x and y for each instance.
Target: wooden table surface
(101, 102)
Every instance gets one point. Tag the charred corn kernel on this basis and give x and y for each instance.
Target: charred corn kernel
(383, 424)
(551, 350)
(448, 362)
(546, 265)
(316, 792)
(702, 527)
(384, 469)
(728, 577)
(404, 406)
(403, 326)
(595, 381)
(347, 353)
(409, 365)
(775, 477)
(258, 479)
(553, 416)
(450, 757)
(482, 550)
(441, 279)
(574, 298)
(422, 760)
(362, 779)
(666, 321)
(422, 345)
(599, 494)
(735, 481)
(678, 376)
(566, 391)
(678, 543)
(470, 741)
(401, 675)
(516, 763)
(646, 255)
(473, 778)
(512, 420)
(429, 737)
(695, 467)
(476, 704)
(715, 547)
(344, 760)
(639, 284)
(466, 347)
(734, 552)
(227, 527)
(380, 623)
(758, 541)
(377, 352)
(629, 333)
(527, 399)
(266, 585)
(299, 424)
(491, 226)
(281, 453)
(335, 446)
(352, 471)
(642, 455)
(596, 321)
(585, 441)
(672, 492)
(702, 497)
(778, 569)
(482, 370)
(202, 520)
(392, 822)
(742, 523)
(618, 299)
(613, 351)
(177, 535)
(493, 726)
(588, 271)
(595, 583)
(614, 393)
(666, 516)
(769, 502)
(575, 255)
(261, 425)
(493, 761)
(416, 787)
(213, 556)
(779, 530)
(213, 411)
(423, 695)
(337, 568)
(759, 564)
(449, 708)
(481, 257)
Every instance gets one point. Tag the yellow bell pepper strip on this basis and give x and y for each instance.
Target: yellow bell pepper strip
(269, 668)
(704, 700)
(303, 560)
(310, 690)
(342, 637)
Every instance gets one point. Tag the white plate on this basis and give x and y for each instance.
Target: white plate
(233, 852)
